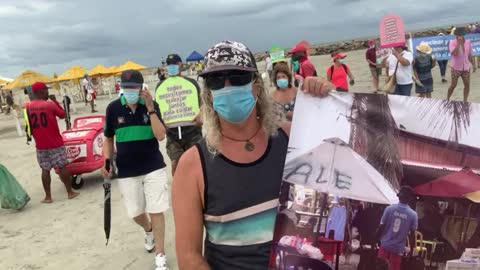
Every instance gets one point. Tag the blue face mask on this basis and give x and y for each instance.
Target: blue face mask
(282, 83)
(131, 95)
(341, 61)
(173, 70)
(234, 103)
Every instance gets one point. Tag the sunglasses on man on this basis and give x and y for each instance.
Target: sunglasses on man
(216, 81)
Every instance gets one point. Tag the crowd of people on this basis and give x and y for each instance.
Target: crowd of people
(235, 143)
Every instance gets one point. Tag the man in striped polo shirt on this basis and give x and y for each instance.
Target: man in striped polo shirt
(134, 121)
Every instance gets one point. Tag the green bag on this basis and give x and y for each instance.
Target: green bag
(12, 194)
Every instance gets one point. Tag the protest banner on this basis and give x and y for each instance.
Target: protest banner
(178, 101)
(439, 44)
(392, 33)
(277, 54)
(347, 148)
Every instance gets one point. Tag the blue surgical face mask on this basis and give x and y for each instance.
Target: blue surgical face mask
(282, 83)
(341, 61)
(131, 95)
(173, 70)
(234, 103)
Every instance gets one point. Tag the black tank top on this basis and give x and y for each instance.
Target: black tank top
(241, 202)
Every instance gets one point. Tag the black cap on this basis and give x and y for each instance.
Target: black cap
(173, 59)
(131, 78)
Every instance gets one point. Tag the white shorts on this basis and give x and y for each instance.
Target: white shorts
(146, 193)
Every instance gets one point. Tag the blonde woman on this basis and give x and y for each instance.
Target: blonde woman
(229, 183)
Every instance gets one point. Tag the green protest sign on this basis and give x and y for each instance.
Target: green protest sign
(178, 102)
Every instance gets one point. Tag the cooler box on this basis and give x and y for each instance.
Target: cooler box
(84, 145)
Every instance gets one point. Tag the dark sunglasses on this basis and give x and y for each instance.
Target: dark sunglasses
(217, 81)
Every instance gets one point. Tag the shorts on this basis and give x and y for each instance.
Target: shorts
(55, 158)
(426, 88)
(465, 74)
(145, 193)
(176, 147)
(94, 96)
(403, 89)
(394, 260)
(376, 72)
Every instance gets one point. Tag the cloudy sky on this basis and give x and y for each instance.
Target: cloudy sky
(52, 35)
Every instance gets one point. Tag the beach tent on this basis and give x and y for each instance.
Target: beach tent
(27, 78)
(194, 56)
(464, 183)
(129, 65)
(112, 69)
(99, 70)
(334, 168)
(75, 72)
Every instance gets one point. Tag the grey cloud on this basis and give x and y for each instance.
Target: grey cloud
(52, 35)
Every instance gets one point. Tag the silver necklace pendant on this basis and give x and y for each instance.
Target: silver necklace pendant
(249, 146)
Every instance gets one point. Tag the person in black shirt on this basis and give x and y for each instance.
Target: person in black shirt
(178, 143)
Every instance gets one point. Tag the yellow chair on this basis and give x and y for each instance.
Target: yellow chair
(420, 249)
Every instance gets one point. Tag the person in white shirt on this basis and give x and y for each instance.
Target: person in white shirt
(404, 59)
(89, 92)
(269, 67)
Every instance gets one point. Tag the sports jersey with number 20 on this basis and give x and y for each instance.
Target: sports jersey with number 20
(43, 123)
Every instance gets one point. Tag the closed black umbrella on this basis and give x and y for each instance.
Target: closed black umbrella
(107, 217)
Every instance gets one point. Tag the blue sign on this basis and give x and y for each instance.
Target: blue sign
(440, 44)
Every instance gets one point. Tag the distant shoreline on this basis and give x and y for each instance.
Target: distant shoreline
(359, 43)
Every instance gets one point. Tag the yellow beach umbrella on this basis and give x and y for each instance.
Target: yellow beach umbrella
(129, 65)
(112, 69)
(72, 73)
(28, 77)
(99, 70)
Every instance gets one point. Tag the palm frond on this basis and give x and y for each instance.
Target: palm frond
(374, 127)
(443, 114)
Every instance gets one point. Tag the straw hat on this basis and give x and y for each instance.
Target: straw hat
(424, 48)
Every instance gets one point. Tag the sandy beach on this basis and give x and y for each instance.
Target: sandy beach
(69, 234)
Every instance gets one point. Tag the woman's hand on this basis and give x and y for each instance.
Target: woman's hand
(317, 86)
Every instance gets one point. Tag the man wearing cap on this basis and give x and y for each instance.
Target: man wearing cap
(183, 136)
(398, 223)
(400, 64)
(299, 53)
(89, 92)
(371, 57)
(134, 121)
(42, 118)
(462, 57)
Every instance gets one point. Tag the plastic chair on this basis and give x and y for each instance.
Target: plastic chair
(305, 263)
(419, 249)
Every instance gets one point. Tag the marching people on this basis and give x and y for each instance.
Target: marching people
(180, 139)
(461, 59)
(422, 67)
(442, 64)
(338, 72)
(285, 93)
(371, 57)
(299, 54)
(51, 154)
(134, 122)
(241, 156)
(400, 64)
(269, 68)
